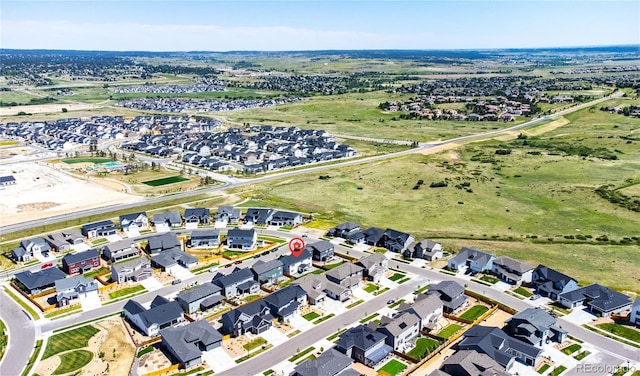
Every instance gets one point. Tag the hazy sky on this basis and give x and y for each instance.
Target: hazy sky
(314, 25)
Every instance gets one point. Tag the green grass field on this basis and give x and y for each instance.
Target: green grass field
(70, 340)
(571, 349)
(4, 339)
(164, 181)
(543, 368)
(622, 331)
(311, 316)
(370, 288)
(396, 276)
(72, 361)
(85, 160)
(557, 371)
(254, 344)
(423, 347)
(126, 291)
(448, 331)
(522, 291)
(393, 367)
(474, 312)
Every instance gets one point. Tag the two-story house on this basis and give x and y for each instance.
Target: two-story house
(31, 248)
(512, 271)
(161, 314)
(322, 250)
(227, 214)
(395, 241)
(535, 326)
(81, 262)
(120, 250)
(428, 308)
(131, 271)
(451, 294)
(424, 249)
(285, 218)
(242, 239)
(475, 259)
(267, 272)
(166, 221)
(186, 343)
(196, 216)
(98, 229)
(238, 282)
(69, 289)
(364, 345)
(399, 330)
(375, 266)
(134, 221)
(294, 266)
(205, 238)
(201, 297)
(347, 275)
(551, 283)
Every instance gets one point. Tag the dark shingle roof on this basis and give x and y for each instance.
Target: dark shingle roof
(202, 291)
(184, 340)
(496, 343)
(262, 267)
(361, 337)
(40, 278)
(330, 363)
(72, 258)
(600, 297)
(237, 275)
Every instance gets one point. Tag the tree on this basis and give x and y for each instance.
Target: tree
(64, 109)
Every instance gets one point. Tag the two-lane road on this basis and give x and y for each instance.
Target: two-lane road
(22, 336)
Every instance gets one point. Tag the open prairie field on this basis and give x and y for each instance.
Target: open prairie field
(358, 115)
(539, 199)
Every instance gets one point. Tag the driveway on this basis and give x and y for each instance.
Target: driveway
(91, 301)
(151, 284)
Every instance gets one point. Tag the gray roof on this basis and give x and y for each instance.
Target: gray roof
(361, 337)
(313, 285)
(330, 363)
(599, 297)
(496, 343)
(321, 246)
(72, 258)
(199, 292)
(74, 282)
(370, 260)
(448, 288)
(291, 259)
(285, 215)
(197, 212)
(130, 264)
(131, 216)
(284, 296)
(236, 276)
(171, 217)
(547, 274)
(184, 340)
(474, 363)
(472, 254)
(157, 314)
(335, 288)
(260, 267)
(205, 234)
(425, 306)
(165, 241)
(172, 257)
(399, 324)
(345, 270)
(241, 233)
(513, 264)
(537, 317)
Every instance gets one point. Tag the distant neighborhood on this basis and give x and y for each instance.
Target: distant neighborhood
(177, 105)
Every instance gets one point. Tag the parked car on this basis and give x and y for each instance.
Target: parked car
(265, 253)
(256, 256)
(47, 265)
(176, 282)
(534, 297)
(390, 301)
(228, 266)
(238, 262)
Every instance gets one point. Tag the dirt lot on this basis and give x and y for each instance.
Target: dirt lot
(46, 108)
(42, 191)
(111, 336)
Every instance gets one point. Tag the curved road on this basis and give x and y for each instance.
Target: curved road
(241, 182)
(22, 336)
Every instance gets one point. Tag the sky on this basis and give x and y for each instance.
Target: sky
(139, 25)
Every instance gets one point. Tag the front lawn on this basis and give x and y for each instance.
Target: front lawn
(490, 279)
(371, 288)
(622, 331)
(582, 355)
(423, 347)
(524, 292)
(393, 368)
(254, 344)
(396, 276)
(449, 331)
(474, 312)
(69, 340)
(543, 368)
(571, 349)
(72, 361)
(558, 370)
(126, 291)
(311, 316)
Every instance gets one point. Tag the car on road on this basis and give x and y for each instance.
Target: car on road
(238, 262)
(256, 256)
(228, 265)
(176, 282)
(47, 265)
(535, 297)
(390, 301)
(305, 235)
(265, 253)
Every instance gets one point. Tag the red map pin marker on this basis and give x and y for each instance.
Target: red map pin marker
(296, 246)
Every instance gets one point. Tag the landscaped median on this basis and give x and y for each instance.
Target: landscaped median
(620, 333)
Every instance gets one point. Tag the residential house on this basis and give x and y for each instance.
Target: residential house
(375, 266)
(599, 299)
(162, 243)
(30, 248)
(451, 294)
(634, 316)
(205, 238)
(322, 250)
(258, 216)
(372, 236)
(201, 297)
(162, 314)
(98, 229)
(173, 258)
(512, 271)
(254, 317)
(186, 343)
(245, 240)
(68, 289)
(7, 180)
(227, 214)
(470, 363)
(164, 222)
(428, 308)
(81, 262)
(337, 292)
(41, 280)
(294, 266)
(534, 326)
(134, 221)
(475, 259)
(399, 330)
(346, 275)
(131, 271)
(314, 286)
(499, 346)
(284, 303)
(424, 249)
(329, 363)
(196, 216)
(551, 283)
(63, 240)
(238, 282)
(285, 218)
(120, 250)
(395, 241)
(364, 345)
(344, 230)
(268, 272)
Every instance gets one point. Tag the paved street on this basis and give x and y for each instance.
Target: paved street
(22, 336)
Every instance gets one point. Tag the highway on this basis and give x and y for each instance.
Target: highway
(241, 182)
